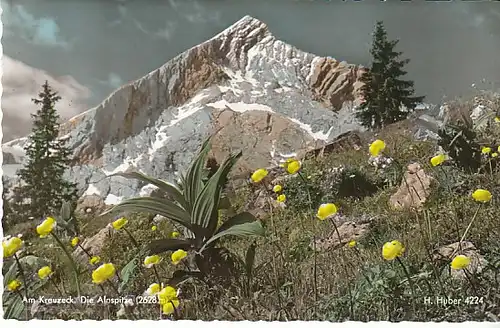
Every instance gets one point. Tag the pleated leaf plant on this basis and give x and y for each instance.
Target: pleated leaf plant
(194, 203)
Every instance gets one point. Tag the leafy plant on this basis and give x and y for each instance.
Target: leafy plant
(459, 141)
(194, 204)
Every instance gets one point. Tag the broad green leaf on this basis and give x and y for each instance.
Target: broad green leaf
(11, 274)
(243, 224)
(15, 309)
(153, 205)
(165, 245)
(193, 181)
(164, 186)
(205, 211)
(66, 211)
(180, 276)
(128, 272)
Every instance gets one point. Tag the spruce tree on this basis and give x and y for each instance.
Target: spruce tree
(47, 159)
(383, 91)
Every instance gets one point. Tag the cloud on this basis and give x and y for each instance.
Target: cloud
(114, 80)
(21, 83)
(40, 31)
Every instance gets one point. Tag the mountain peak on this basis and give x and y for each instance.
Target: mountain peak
(263, 96)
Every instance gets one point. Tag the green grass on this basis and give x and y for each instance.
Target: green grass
(291, 282)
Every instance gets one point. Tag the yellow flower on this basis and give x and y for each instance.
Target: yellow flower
(13, 285)
(460, 262)
(175, 234)
(167, 293)
(178, 255)
(352, 243)
(95, 260)
(120, 223)
(481, 195)
(486, 150)
(498, 149)
(376, 147)
(149, 261)
(44, 272)
(103, 273)
(497, 119)
(153, 289)
(11, 246)
(438, 160)
(75, 241)
(392, 249)
(326, 210)
(154, 228)
(281, 198)
(292, 166)
(258, 175)
(170, 307)
(168, 299)
(46, 227)
(277, 188)
(494, 155)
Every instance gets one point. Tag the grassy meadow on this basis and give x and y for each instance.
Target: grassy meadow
(298, 260)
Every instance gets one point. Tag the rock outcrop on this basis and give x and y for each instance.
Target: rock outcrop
(414, 189)
(265, 96)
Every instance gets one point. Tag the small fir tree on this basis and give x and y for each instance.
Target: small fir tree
(47, 159)
(383, 91)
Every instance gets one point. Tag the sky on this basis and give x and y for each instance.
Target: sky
(87, 49)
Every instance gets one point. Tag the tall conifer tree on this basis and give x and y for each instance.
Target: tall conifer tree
(387, 98)
(47, 159)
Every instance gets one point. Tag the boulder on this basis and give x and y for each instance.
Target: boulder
(414, 189)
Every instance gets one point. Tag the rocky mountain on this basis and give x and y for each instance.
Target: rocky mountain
(262, 95)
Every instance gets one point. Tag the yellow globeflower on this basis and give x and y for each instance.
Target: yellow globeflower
(175, 234)
(13, 285)
(95, 260)
(481, 195)
(460, 262)
(258, 175)
(291, 165)
(326, 210)
(438, 160)
(495, 154)
(153, 289)
(149, 261)
(46, 227)
(486, 150)
(154, 228)
(352, 243)
(281, 198)
(178, 256)
(376, 147)
(277, 188)
(11, 246)
(167, 293)
(168, 299)
(44, 272)
(392, 249)
(120, 223)
(75, 241)
(170, 306)
(103, 273)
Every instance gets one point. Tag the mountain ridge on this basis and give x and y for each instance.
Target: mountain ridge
(263, 95)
